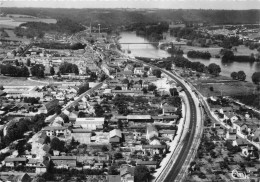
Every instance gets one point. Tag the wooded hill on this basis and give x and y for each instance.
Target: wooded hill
(115, 17)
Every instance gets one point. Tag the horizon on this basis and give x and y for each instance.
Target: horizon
(136, 4)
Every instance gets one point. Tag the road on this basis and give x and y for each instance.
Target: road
(187, 143)
(173, 173)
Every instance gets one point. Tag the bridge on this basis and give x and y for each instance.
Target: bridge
(159, 43)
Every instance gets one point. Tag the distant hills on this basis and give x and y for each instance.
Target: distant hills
(115, 17)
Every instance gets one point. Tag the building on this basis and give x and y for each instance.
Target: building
(90, 123)
(56, 131)
(13, 162)
(49, 106)
(127, 174)
(64, 161)
(115, 136)
(151, 131)
(139, 70)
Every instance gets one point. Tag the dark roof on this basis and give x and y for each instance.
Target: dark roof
(154, 146)
(63, 157)
(146, 162)
(166, 117)
(17, 159)
(167, 132)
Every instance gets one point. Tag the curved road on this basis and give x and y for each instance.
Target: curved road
(173, 173)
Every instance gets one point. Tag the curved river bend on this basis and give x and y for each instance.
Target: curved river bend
(147, 50)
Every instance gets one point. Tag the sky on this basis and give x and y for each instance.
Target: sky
(162, 4)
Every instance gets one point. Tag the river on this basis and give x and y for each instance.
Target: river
(147, 50)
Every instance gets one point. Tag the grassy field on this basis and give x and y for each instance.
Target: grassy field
(17, 81)
(212, 50)
(243, 50)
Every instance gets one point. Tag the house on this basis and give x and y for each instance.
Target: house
(168, 110)
(165, 119)
(139, 118)
(115, 136)
(231, 134)
(139, 70)
(168, 133)
(151, 131)
(241, 142)
(149, 164)
(90, 123)
(238, 174)
(56, 131)
(64, 161)
(82, 135)
(16, 177)
(127, 174)
(49, 106)
(136, 87)
(154, 149)
(13, 162)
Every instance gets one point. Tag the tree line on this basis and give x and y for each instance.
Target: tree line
(198, 54)
(37, 29)
(238, 75)
(57, 45)
(228, 56)
(15, 71)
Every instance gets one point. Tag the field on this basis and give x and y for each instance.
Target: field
(12, 36)
(243, 50)
(212, 50)
(17, 81)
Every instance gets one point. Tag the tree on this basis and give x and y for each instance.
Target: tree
(145, 91)
(69, 68)
(214, 69)
(233, 75)
(99, 110)
(256, 78)
(1, 87)
(118, 88)
(125, 81)
(38, 70)
(141, 173)
(83, 88)
(211, 89)
(28, 62)
(118, 155)
(57, 144)
(241, 75)
(112, 170)
(152, 87)
(52, 71)
(157, 73)
(58, 110)
(93, 76)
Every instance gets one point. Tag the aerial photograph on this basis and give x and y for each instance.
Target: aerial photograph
(130, 91)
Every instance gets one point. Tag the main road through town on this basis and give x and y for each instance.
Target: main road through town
(173, 172)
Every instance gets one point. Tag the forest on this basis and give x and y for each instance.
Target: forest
(124, 17)
(37, 29)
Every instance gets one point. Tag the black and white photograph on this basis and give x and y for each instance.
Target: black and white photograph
(129, 90)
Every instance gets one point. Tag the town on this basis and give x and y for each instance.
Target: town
(77, 106)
